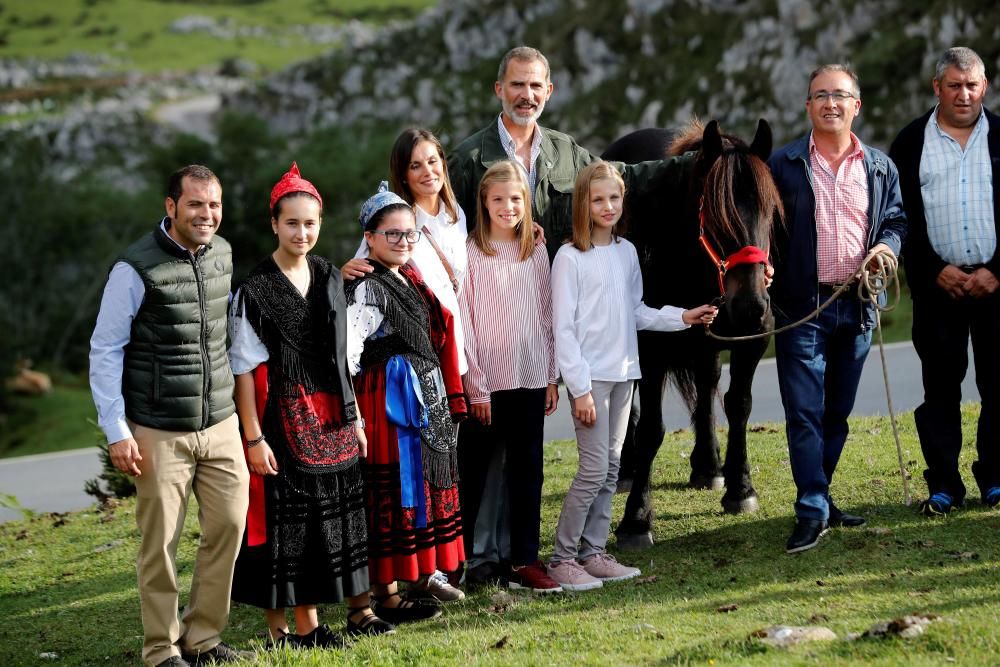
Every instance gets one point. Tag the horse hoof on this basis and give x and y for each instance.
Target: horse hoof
(631, 542)
(624, 485)
(712, 483)
(747, 505)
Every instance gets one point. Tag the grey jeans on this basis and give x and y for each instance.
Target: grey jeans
(586, 512)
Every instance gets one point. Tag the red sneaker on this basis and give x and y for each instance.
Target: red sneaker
(533, 577)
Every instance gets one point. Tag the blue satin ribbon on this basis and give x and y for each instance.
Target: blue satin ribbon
(404, 406)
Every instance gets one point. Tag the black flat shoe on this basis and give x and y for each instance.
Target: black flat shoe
(407, 610)
(321, 637)
(805, 535)
(367, 624)
(838, 518)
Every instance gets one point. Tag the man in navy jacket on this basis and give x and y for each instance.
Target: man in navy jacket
(949, 162)
(841, 200)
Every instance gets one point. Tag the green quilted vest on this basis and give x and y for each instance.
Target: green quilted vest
(176, 375)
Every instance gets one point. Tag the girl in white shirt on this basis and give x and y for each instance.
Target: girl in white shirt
(597, 308)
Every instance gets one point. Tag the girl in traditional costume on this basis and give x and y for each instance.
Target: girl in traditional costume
(401, 347)
(305, 542)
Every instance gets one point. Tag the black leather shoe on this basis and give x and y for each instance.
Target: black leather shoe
(838, 518)
(805, 535)
(174, 661)
(220, 654)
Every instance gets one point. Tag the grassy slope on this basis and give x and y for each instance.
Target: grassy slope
(82, 605)
(51, 423)
(135, 31)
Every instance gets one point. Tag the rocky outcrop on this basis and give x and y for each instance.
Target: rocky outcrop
(620, 66)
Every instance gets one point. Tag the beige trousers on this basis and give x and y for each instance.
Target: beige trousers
(210, 462)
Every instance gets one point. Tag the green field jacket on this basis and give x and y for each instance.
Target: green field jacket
(559, 161)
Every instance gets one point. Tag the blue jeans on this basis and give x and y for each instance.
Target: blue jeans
(819, 366)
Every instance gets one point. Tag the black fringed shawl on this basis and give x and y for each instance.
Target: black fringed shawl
(409, 334)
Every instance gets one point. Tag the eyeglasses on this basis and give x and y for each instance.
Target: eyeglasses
(396, 236)
(836, 96)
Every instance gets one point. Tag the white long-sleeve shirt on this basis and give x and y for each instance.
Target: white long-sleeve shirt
(596, 310)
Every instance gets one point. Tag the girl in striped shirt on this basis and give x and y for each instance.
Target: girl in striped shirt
(511, 382)
(597, 308)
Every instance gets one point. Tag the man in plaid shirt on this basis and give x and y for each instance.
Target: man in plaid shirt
(949, 159)
(842, 201)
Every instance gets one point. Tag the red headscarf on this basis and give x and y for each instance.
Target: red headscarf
(292, 181)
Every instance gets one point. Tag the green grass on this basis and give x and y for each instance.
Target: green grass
(135, 33)
(58, 595)
(55, 422)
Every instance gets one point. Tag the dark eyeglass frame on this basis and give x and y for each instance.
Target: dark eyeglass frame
(396, 236)
(835, 95)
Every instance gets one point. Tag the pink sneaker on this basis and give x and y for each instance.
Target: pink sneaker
(604, 567)
(572, 577)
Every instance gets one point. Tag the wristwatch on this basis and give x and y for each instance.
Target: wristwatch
(360, 422)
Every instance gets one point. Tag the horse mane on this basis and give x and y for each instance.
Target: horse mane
(719, 189)
(687, 138)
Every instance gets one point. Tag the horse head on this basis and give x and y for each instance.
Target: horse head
(737, 204)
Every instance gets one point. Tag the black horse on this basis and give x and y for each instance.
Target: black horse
(684, 234)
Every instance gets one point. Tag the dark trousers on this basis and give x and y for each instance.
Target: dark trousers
(518, 417)
(819, 368)
(941, 330)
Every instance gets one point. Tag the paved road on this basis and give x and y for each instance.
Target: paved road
(54, 482)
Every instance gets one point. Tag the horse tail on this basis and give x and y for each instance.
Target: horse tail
(683, 379)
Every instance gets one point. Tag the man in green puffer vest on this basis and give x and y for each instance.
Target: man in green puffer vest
(161, 381)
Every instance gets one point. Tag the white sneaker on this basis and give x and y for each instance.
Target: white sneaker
(603, 566)
(572, 577)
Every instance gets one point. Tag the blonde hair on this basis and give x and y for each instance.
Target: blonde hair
(583, 223)
(504, 171)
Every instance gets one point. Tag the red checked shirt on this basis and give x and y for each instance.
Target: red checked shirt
(841, 213)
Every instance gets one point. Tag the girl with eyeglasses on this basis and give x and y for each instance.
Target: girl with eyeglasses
(507, 314)
(401, 350)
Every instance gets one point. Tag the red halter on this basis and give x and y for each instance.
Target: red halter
(746, 255)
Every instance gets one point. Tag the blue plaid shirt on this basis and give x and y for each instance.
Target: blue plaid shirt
(509, 147)
(957, 189)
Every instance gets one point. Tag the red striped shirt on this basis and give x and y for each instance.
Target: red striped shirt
(506, 307)
(841, 213)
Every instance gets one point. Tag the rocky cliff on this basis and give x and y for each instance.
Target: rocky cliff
(633, 63)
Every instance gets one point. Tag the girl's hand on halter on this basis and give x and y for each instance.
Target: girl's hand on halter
(551, 399)
(584, 409)
(482, 412)
(356, 268)
(768, 276)
(702, 314)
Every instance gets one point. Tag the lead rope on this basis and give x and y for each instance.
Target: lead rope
(871, 284)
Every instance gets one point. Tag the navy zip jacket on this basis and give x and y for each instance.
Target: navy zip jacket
(795, 292)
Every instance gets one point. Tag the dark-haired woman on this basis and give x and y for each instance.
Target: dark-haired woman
(306, 535)
(401, 346)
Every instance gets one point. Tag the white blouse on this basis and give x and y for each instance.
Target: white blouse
(451, 238)
(246, 350)
(596, 309)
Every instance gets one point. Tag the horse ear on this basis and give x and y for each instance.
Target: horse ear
(711, 142)
(762, 141)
